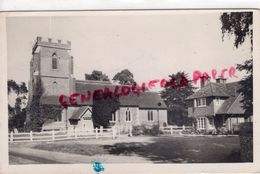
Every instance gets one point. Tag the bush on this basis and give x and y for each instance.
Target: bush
(153, 130)
(192, 131)
(137, 130)
(236, 128)
(246, 141)
(222, 131)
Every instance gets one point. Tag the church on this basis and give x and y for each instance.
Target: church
(52, 63)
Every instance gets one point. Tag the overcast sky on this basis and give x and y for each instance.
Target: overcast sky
(151, 45)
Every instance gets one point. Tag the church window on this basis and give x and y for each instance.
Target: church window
(128, 115)
(54, 61)
(150, 115)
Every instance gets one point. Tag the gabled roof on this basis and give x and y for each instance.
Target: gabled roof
(79, 112)
(232, 105)
(145, 99)
(216, 90)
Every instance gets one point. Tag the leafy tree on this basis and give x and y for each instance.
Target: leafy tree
(177, 89)
(247, 86)
(34, 109)
(12, 85)
(97, 75)
(125, 77)
(103, 109)
(17, 114)
(239, 24)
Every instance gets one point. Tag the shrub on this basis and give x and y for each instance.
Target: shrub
(246, 141)
(192, 131)
(222, 131)
(202, 131)
(236, 128)
(137, 130)
(212, 132)
(153, 130)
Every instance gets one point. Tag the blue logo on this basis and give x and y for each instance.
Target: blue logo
(98, 166)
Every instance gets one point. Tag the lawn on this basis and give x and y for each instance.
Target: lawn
(155, 149)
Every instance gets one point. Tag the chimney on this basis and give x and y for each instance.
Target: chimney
(204, 80)
(221, 80)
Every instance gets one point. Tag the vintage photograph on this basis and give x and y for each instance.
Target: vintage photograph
(152, 86)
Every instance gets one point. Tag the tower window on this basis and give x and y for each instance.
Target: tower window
(54, 87)
(54, 61)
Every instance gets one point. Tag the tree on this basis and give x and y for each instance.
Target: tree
(17, 114)
(239, 24)
(175, 96)
(125, 77)
(12, 85)
(97, 75)
(34, 108)
(103, 109)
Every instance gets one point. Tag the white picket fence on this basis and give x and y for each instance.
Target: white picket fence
(64, 135)
(174, 129)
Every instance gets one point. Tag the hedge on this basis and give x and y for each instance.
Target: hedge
(246, 141)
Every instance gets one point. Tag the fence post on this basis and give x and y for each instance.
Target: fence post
(113, 132)
(171, 127)
(130, 131)
(75, 131)
(53, 135)
(12, 136)
(119, 130)
(101, 130)
(96, 132)
(183, 127)
(68, 134)
(31, 136)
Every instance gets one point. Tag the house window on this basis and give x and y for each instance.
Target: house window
(200, 102)
(150, 115)
(128, 115)
(201, 123)
(54, 61)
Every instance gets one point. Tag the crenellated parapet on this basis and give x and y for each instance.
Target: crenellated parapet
(51, 43)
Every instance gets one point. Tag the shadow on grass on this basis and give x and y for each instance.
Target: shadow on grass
(181, 149)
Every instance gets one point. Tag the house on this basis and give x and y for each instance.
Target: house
(217, 104)
(52, 64)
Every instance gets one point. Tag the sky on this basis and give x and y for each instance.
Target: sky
(151, 44)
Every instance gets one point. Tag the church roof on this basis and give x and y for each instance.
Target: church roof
(79, 112)
(145, 100)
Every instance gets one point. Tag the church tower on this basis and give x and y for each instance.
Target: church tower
(52, 63)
